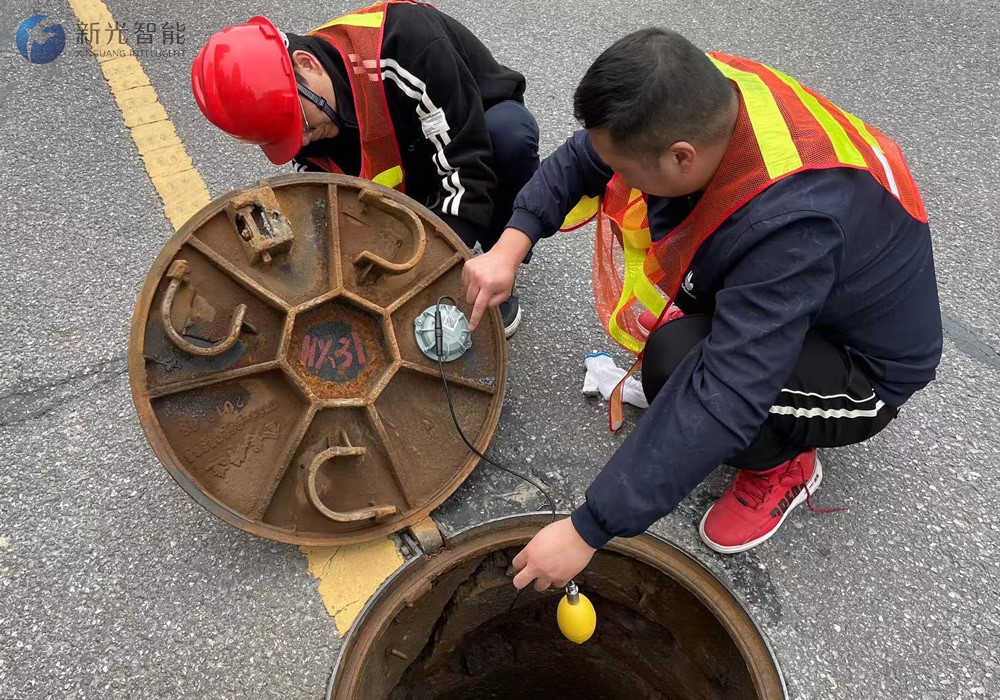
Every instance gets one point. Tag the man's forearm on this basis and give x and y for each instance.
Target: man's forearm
(513, 246)
(572, 171)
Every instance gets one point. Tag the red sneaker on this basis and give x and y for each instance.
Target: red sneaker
(757, 503)
(648, 320)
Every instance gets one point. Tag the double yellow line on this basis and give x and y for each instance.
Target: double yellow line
(347, 575)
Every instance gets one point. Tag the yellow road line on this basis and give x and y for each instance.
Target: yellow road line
(170, 168)
(347, 575)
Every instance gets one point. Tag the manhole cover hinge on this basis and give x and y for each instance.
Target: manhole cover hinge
(427, 534)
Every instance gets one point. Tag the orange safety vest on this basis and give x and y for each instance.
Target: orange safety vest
(783, 128)
(358, 38)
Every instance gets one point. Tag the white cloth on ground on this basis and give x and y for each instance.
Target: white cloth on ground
(603, 376)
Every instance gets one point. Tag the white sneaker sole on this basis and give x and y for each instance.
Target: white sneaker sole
(817, 479)
(509, 330)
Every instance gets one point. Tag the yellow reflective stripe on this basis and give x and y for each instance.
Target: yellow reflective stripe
(635, 243)
(635, 286)
(876, 149)
(389, 178)
(623, 338)
(847, 152)
(648, 295)
(863, 130)
(635, 212)
(369, 19)
(636, 238)
(584, 211)
(776, 146)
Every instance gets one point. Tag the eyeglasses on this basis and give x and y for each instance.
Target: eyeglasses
(321, 104)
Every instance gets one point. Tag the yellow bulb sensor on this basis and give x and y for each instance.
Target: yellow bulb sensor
(576, 616)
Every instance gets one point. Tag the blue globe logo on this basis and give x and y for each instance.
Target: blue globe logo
(40, 39)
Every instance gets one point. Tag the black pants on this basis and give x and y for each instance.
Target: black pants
(514, 133)
(827, 402)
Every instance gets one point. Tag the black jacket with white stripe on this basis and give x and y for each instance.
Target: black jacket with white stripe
(429, 61)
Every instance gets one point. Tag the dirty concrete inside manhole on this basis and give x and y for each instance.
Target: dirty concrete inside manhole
(449, 627)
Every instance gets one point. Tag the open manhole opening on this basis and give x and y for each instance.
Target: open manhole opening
(451, 627)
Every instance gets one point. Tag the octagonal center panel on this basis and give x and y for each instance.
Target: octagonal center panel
(339, 349)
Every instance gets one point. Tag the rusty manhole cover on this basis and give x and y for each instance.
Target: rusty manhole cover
(275, 370)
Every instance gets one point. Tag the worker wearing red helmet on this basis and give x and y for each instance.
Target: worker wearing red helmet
(397, 93)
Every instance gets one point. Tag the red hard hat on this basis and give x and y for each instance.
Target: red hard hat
(244, 84)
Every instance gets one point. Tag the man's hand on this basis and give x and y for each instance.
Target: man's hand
(489, 278)
(553, 557)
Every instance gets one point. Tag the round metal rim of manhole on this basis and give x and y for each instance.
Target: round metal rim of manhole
(286, 392)
(390, 636)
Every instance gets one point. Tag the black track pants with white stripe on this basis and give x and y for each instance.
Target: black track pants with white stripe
(827, 402)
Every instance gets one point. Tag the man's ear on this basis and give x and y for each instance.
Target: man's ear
(306, 63)
(681, 156)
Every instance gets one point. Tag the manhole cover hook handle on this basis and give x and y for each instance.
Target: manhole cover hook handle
(366, 260)
(351, 516)
(177, 272)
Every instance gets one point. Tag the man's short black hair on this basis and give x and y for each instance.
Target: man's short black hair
(653, 88)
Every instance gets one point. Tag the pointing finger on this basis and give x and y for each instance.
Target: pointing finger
(482, 303)
(472, 291)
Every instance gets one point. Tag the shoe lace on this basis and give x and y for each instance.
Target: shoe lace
(751, 489)
(805, 485)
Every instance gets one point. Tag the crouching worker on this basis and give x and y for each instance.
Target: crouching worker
(794, 242)
(398, 93)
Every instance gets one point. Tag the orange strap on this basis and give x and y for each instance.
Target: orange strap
(616, 409)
